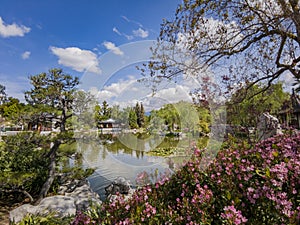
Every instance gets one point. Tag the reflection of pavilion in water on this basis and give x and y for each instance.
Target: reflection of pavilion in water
(116, 159)
(109, 126)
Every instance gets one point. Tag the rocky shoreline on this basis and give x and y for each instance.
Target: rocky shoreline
(73, 196)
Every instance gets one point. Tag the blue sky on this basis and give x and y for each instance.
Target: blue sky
(72, 34)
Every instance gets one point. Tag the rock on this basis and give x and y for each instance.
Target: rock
(268, 126)
(113, 198)
(75, 198)
(19, 213)
(84, 196)
(61, 205)
(119, 185)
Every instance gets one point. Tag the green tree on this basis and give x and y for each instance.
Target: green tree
(115, 112)
(137, 110)
(53, 95)
(83, 109)
(247, 111)
(142, 116)
(23, 164)
(132, 119)
(102, 112)
(243, 42)
(170, 115)
(11, 109)
(140, 113)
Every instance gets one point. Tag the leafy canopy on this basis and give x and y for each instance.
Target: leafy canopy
(247, 112)
(53, 92)
(245, 41)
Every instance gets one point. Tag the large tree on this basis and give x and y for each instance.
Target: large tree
(102, 112)
(53, 94)
(243, 42)
(247, 112)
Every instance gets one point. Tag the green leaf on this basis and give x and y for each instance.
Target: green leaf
(268, 174)
(228, 195)
(275, 153)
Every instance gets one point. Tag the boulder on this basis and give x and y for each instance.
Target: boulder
(268, 126)
(113, 198)
(19, 213)
(83, 197)
(119, 185)
(74, 196)
(60, 205)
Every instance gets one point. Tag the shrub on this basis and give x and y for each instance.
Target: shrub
(243, 185)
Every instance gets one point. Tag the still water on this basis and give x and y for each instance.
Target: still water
(126, 155)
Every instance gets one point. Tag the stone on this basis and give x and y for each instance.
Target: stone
(119, 185)
(61, 205)
(19, 213)
(84, 196)
(75, 198)
(126, 197)
(268, 126)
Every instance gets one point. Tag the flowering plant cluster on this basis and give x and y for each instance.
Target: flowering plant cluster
(243, 185)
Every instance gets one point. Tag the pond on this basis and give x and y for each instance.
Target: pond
(128, 155)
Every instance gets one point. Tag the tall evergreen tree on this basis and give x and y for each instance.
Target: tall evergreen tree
(53, 94)
(133, 119)
(138, 113)
(142, 116)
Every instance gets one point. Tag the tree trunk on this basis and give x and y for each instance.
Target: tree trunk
(51, 175)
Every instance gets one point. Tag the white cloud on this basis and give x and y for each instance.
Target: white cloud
(127, 92)
(174, 94)
(26, 55)
(125, 18)
(140, 33)
(117, 31)
(112, 47)
(128, 37)
(132, 21)
(77, 59)
(117, 89)
(12, 30)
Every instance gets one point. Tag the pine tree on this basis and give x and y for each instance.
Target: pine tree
(142, 116)
(133, 119)
(138, 112)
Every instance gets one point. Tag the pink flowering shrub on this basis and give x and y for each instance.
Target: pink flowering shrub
(233, 216)
(258, 185)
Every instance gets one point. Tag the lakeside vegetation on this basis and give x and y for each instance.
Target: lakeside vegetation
(247, 181)
(243, 185)
(25, 165)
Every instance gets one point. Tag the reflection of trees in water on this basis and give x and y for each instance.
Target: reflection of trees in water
(138, 142)
(90, 150)
(115, 146)
(137, 145)
(169, 142)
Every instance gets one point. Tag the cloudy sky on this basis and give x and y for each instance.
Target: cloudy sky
(98, 41)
